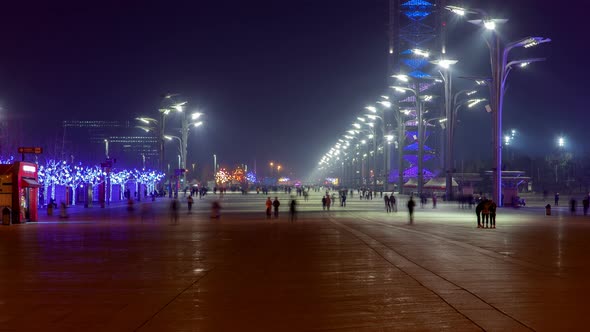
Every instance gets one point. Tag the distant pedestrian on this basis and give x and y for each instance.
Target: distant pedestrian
(276, 205)
(478, 209)
(493, 207)
(434, 198)
(393, 203)
(387, 203)
(485, 213)
(62, 210)
(411, 205)
(215, 210)
(268, 207)
(189, 202)
(324, 203)
(586, 205)
(344, 201)
(292, 210)
(174, 212)
(556, 199)
(328, 202)
(573, 206)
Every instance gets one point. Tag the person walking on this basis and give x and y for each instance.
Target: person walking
(485, 213)
(268, 207)
(328, 202)
(434, 198)
(478, 209)
(174, 212)
(189, 202)
(276, 205)
(411, 205)
(387, 203)
(292, 210)
(586, 205)
(556, 199)
(324, 203)
(392, 203)
(573, 206)
(493, 207)
(215, 209)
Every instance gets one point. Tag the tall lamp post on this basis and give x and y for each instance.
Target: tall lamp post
(384, 136)
(500, 69)
(444, 65)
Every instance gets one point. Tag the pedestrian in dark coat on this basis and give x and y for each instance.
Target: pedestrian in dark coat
(276, 205)
(411, 205)
(493, 207)
(478, 209)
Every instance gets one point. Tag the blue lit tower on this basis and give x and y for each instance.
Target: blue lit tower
(414, 24)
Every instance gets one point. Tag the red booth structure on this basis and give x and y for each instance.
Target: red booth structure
(19, 190)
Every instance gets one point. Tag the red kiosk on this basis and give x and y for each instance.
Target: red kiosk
(19, 191)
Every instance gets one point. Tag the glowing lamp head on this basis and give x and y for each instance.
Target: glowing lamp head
(489, 24)
(386, 104)
(403, 78)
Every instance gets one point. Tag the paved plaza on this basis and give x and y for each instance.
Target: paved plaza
(350, 269)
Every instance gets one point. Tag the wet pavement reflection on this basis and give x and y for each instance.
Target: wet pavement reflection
(351, 269)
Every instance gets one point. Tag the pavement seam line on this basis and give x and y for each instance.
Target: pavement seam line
(352, 230)
(483, 251)
(172, 300)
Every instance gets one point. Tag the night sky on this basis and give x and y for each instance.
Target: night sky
(277, 80)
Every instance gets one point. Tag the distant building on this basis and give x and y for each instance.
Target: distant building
(89, 141)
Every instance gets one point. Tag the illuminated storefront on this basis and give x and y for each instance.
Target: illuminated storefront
(19, 189)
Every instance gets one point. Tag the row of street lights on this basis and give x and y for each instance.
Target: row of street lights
(158, 126)
(501, 67)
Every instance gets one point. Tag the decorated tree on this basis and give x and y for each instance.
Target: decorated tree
(251, 177)
(238, 175)
(119, 177)
(222, 177)
(7, 160)
(76, 179)
(53, 173)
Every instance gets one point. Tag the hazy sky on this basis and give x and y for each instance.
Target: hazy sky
(277, 80)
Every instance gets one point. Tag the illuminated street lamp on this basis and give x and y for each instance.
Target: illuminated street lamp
(500, 69)
(445, 65)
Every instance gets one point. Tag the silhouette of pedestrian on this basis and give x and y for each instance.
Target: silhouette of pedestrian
(292, 210)
(556, 199)
(387, 203)
(392, 203)
(215, 210)
(189, 201)
(174, 212)
(411, 205)
(573, 206)
(478, 209)
(268, 207)
(276, 205)
(493, 207)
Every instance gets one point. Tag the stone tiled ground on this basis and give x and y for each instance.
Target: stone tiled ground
(350, 269)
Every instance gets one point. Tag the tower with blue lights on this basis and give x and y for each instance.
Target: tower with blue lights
(414, 24)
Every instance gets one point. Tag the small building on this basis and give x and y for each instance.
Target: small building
(19, 190)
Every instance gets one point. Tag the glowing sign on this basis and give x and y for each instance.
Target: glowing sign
(28, 168)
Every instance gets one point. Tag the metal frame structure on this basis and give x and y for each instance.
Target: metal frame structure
(414, 24)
